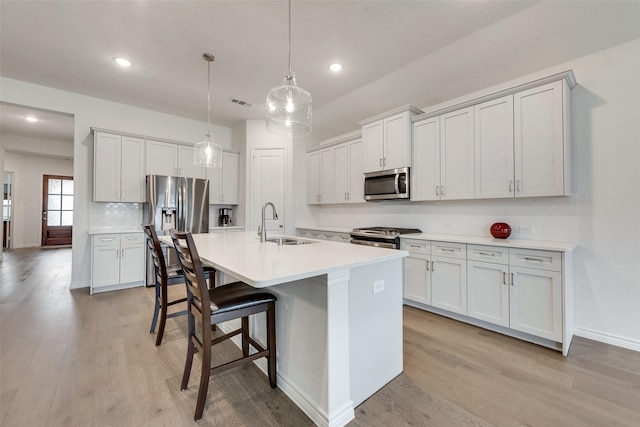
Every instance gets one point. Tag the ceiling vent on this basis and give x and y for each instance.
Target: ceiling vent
(240, 102)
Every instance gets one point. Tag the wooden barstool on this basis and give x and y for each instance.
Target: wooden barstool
(220, 304)
(164, 277)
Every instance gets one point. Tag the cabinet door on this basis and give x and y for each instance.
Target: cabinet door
(229, 178)
(488, 292)
(162, 158)
(425, 171)
(355, 191)
(313, 178)
(341, 167)
(327, 177)
(105, 265)
(494, 149)
(131, 259)
(215, 177)
(449, 284)
(397, 143)
(373, 139)
(106, 168)
(186, 165)
(536, 302)
(417, 278)
(539, 141)
(132, 170)
(456, 155)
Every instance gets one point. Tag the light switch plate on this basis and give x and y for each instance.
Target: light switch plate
(378, 286)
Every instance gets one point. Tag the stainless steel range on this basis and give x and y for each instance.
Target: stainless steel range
(382, 237)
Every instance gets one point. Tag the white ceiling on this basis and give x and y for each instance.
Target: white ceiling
(70, 45)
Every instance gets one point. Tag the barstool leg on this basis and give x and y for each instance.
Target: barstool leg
(271, 344)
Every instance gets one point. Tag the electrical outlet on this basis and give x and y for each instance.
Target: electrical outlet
(447, 226)
(526, 229)
(378, 286)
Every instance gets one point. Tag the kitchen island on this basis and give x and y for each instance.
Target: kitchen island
(338, 315)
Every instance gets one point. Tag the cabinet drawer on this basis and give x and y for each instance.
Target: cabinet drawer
(132, 238)
(343, 238)
(418, 246)
(106, 239)
(544, 260)
(451, 250)
(495, 254)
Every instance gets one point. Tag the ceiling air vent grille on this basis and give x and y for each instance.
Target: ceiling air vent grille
(240, 102)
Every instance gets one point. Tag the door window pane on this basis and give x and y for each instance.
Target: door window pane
(53, 218)
(67, 217)
(55, 186)
(67, 203)
(67, 187)
(54, 203)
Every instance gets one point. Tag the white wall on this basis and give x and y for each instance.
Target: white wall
(27, 191)
(602, 217)
(93, 112)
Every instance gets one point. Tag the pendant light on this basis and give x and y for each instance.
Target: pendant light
(288, 107)
(207, 153)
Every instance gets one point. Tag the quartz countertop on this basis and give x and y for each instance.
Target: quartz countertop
(328, 229)
(226, 227)
(549, 245)
(263, 264)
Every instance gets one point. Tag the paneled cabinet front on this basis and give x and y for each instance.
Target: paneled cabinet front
(164, 158)
(117, 261)
(118, 174)
(334, 174)
(223, 182)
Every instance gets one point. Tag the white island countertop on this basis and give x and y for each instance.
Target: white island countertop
(263, 264)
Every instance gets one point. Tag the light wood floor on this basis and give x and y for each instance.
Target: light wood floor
(71, 359)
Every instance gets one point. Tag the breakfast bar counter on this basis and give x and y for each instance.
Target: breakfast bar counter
(338, 315)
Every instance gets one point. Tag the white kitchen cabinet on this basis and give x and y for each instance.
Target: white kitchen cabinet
(223, 181)
(542, 134)
(165, 158)
(118, 173)
(442, 166)
(335, 236)
(387, 139)
(488, 284)
(417, 274)
(449, 276)
(117, 261)
(494, 160)
(334, 172)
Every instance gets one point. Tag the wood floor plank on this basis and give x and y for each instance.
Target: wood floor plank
(68, 358)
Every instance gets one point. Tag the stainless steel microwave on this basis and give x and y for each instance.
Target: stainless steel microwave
(387, 185)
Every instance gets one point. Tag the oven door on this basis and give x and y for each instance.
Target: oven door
(387, 185)
(374, 241)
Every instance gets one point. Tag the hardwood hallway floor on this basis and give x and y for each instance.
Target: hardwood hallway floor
(71, 359)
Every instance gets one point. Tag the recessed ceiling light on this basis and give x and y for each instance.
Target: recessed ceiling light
(122, 62)
(31, 119)
(335, 67)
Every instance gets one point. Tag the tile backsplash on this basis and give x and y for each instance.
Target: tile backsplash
(115, 215)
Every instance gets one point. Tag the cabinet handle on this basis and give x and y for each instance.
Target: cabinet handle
(348, 196)
(384, 161)
(533, 259)
(486, 253)
(107, 240)
(117, 253)
(442, 190)
(415, 246)
(122, 195)
(510, 186)
(447, 250)
(433, 266)
(380, 161)
(427, 265)
(512, 279)
(437, 190)
(504, 278)
(518, 185)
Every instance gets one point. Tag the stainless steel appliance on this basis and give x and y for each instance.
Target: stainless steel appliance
(387, 185)
(175, 202)
(225, 216)
(382, 237)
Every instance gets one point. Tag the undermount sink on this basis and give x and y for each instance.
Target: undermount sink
(289, 241)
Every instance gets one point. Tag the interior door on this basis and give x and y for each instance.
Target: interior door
(57, 210)
(268, 176)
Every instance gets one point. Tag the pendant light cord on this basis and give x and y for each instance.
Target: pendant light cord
(209, 98)
(289, 37)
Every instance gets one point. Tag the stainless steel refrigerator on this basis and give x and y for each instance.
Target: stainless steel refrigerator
(177, 202)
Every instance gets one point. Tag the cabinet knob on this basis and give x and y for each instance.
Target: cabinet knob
(510, 186)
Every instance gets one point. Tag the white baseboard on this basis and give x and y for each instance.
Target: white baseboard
(612, 339)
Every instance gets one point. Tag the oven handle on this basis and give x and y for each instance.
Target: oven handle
(396, 183)
(376, 244)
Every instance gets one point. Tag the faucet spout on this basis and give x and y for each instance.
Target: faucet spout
(263, 230)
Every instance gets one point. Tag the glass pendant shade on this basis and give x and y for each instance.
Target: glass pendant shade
(289, 109)
(207, 153)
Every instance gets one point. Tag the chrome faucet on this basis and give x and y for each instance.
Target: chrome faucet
(262, 230)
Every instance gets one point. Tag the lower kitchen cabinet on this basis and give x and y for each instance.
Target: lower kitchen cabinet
(117, 261)
(336, 236)
(523, 292)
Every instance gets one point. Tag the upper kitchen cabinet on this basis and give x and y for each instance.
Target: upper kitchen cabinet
(334, 172)
(223, 182)
(164, 158)
(442, 166)
(118, 171)
(387, 139)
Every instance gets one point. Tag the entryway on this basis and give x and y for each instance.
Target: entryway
(57, 210)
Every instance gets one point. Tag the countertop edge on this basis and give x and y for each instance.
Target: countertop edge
(550, 245)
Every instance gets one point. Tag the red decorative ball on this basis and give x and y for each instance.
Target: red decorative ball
(500, 230)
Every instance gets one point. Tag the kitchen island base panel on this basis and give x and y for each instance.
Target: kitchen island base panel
(338, 341)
